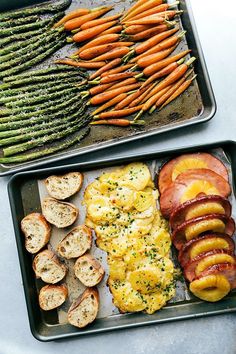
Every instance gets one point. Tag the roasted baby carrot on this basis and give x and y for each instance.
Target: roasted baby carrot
(122, 83)
(142, 97)
(178, 92)
(154, 58)
(127, 100)
(163, 72)
(114, 77)
(100, 21)
(150, 43)
(114, 63)
(149, 20)
(146, 5)
(118, 113)
(155, 94)
(136, 29)
(108, 95)
(81, 64)
(167, 43)
(77, 22)
(151, 69)
(154, 19)
(117, 70)
(107, 38)
(119, 52)
(169, 80)
(151, 32)
(110, 103)
(92, 32)
(73, 14)
(118, 122)
(155, 10)
(133, 7)
(99, 89)
(91, 53)
(114, 29)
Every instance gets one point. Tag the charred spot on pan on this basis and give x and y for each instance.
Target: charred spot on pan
(174, 116)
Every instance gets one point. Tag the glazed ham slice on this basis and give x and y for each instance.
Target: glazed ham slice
(191, 184)
(207, 259)
(226, 269)
(205, 244)
(193, 228)
(171, 169)
(203, 205)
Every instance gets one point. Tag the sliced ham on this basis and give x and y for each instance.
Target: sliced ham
(184, 254)
(171, 197)
(190, 267)
(179, 234)
(178, 216)
(205, 160)
(226, 269)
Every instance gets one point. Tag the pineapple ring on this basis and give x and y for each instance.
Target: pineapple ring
(204, 209)
(187, 163)
(212, 260)
(197, 187)
(208, 245)
(210, 288)
(193, 231)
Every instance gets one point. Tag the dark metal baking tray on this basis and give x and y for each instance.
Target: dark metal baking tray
(197, 106)
(24, 198)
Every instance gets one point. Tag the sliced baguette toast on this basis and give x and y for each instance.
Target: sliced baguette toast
(58, 213)
(88, 270)
(84, 310)
(52, 296)
(36, 230)
(76, 243)
(63, 187)
(48, 267)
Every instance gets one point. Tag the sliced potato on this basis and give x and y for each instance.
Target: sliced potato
(100, 209)
(145, 279)
(123, 197)
(136, 175)
(143, 201)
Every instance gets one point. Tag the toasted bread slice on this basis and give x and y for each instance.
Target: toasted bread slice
(88, 270)
(37, 232)
(76, 243)
(84, 310)
(63, 187)
(52, 296)
(58, 213)
(48, 267)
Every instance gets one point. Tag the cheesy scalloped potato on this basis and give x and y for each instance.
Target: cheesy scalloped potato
(121, 208)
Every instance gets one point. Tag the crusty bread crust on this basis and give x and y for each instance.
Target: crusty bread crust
(64, 186)
(37, 232)
(60, 214)
(88, 270)
(84, 310)
(76, 242)
(48, 267)
(52, 296)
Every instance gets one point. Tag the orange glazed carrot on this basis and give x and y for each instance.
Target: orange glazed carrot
(92, 32)
(77, 22)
